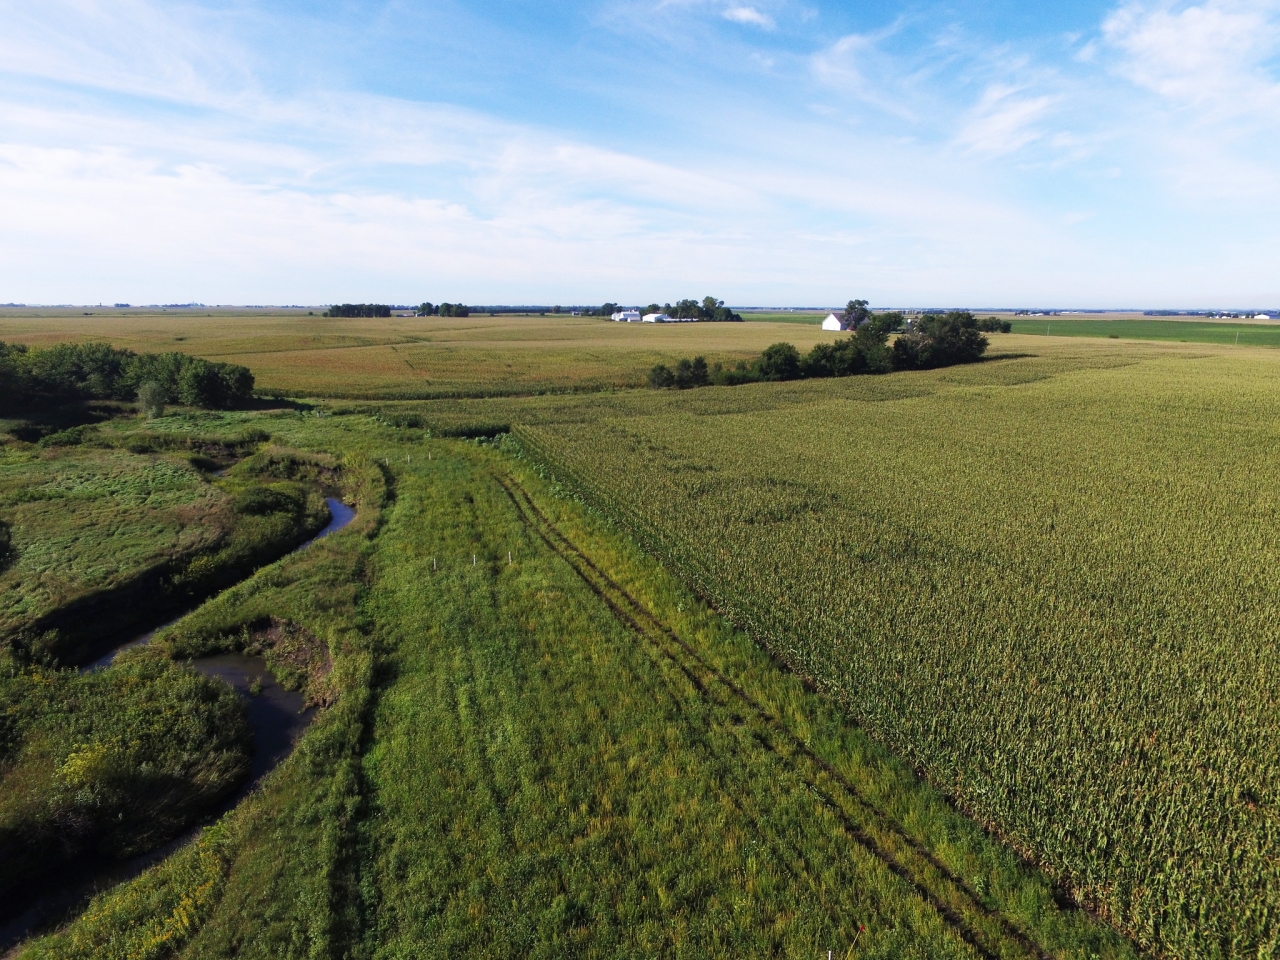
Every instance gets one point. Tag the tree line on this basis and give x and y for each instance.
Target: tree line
(934, 340)
(358, 310)
(429, 309)
(68, 372)
(707, 309)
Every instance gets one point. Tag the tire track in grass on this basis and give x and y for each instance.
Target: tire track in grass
(795, 861)
(984, 929)
(659, 676)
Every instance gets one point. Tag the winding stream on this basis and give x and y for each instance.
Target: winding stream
(277, 717)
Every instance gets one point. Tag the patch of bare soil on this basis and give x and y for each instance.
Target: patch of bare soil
(299, 659)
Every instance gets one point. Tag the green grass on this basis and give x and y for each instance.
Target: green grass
(1188, 331)
(130, 520)
(120, 528)
(293, 837)
(810, 317)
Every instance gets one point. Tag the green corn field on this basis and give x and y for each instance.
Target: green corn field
(1053, 590)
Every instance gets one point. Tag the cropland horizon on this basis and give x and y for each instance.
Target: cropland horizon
(975, 661)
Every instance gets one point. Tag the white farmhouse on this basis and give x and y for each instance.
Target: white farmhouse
(831, 323)
(627, 316)
(655, 318)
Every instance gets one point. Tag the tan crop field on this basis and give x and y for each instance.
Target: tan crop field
(413, 357)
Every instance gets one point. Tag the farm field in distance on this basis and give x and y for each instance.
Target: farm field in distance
(703, 673)
(1117, 325)
(1252, 333)
(291, 353)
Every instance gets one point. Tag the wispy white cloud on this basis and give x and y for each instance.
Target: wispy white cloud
(143, 157)
(749, 15)
(858, 66)
(1212, 67)
(1214, 56)
(129, 46)
(1003, 121)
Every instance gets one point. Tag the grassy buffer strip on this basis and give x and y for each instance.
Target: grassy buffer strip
(981, 922)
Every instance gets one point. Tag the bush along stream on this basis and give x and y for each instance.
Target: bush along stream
(104, 766)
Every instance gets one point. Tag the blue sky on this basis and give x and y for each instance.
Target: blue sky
(770, 152)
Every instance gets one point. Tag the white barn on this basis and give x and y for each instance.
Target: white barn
(655, 318)
(832, 322)
(627, 316)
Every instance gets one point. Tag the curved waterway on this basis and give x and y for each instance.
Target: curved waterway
(277, 716)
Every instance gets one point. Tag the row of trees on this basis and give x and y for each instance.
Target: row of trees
(358, 310)
(429, 309)
(69, 372)
(935, 340)
(708, 308)
(857, 312)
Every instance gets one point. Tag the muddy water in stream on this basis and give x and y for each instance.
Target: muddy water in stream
(277, 716)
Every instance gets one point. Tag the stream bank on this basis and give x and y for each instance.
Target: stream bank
(277, 718)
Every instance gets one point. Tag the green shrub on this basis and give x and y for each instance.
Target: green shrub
(151, 399)
(259, 501)
(113, 761)
(781, 361)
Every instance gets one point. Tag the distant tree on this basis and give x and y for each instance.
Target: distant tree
(555, 309)
(685, 310)
(701, 375)
(237, 383)
(994, 325)
(358, 310)
(713, 309)
(151, 399)
(68, 372)
(200, 385)
(692, 373)
(661, 377)
(855, 314)
(940, 340)
(781, 361)
(15, 384)
(863, 352)
(884, 323)
(871, 341)
(427, 309)
(651, 308)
